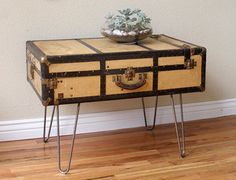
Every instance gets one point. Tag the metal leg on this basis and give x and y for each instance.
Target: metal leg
(181, 142)
(182, 125)
(145, 117)
(45, 140)
(65, 171)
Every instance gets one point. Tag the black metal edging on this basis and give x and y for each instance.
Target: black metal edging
(96, 72)
(117, 56)
(103, 77)
(111, 56)
(89, 46)
(96, 57)
(203, 84)
(143, 46)
(155, 73)
(129, 95)
(106, 98)
(122, 71)
(47, 93)
(172, 67)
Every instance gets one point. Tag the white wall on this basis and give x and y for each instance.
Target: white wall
(210, 23)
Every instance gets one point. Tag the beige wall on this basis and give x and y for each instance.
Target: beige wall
(210, 23)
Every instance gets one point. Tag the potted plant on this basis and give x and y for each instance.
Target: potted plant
(127, 26)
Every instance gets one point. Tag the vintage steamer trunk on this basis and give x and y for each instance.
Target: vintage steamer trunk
(97, 69)
(85, 70)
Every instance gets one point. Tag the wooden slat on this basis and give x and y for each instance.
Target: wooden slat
(130, 154)
(174, 41)
(108, 46)
(181, 78)
(157, 45)
(63, 47)
(78, 87)
(119, 64)
(166, 61)
(72, 67)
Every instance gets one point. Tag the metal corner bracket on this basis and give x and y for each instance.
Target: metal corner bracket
(46, 102)
(44, 60)
(50, 83)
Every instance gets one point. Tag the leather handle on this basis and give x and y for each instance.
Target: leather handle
(124, 83)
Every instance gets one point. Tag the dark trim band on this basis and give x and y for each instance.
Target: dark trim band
(103, 77)
(171, 67)
(129, 95)
(89, 46)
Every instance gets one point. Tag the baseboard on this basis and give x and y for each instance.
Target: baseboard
(96, 122)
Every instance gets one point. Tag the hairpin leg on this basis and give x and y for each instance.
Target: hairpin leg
(181, 142)
(65, 171)
(45, 140)
(145, 117)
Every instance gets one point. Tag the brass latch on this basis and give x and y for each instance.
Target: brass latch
(188, 53)
(50, 83)
(129, 73)
(190, 63)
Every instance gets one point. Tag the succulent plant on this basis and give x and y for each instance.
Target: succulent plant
(128, 20)
(127, 26)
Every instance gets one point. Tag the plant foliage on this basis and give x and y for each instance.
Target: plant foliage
(128, 20)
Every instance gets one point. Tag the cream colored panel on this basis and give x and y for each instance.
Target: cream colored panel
(118, 64)
(70, 67)
(78, 87)
(34, 60)
(174, 41)
(108, 46)
(112, 88)
(181, 78)
(63, 47)
(165, 61)
(157, 45)
(36, 80)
